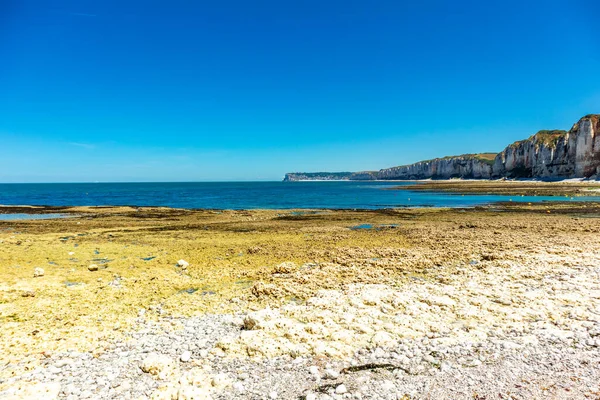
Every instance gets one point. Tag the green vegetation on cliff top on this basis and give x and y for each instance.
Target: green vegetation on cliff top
(487, 158)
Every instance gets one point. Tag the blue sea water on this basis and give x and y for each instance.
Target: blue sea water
(246, 195)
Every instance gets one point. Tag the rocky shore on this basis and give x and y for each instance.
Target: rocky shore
(493, 302)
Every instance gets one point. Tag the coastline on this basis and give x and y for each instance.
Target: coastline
(397, 287)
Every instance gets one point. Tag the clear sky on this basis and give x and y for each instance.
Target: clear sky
(175, 90)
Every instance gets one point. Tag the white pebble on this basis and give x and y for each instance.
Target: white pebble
(331, 374)
(185, 356)
(341, 389)
(239, 387)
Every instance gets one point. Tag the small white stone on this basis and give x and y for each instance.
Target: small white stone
(311, 396)
(239, 387)
(38, 272)
(183, 264)
(341, 389)
(314, 370)
(331, 374)
(185, 356)
(273, 395)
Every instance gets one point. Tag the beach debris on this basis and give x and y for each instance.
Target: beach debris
(93, 267)
(38, 272)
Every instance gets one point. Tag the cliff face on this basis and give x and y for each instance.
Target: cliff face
(554, 154)
(317, 176)
(547, 154)
(475, 166)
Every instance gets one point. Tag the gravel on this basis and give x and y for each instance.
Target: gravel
(460, 343)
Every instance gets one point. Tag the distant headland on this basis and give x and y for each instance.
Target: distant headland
(548, 154)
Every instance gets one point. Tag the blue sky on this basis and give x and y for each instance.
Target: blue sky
(239, 90)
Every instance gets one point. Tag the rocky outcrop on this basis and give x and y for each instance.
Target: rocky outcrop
(554, 154)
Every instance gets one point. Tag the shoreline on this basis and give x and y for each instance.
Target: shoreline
(86, 211)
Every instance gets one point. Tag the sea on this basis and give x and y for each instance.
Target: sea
(248, 195)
